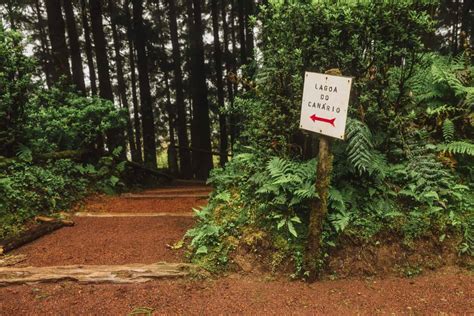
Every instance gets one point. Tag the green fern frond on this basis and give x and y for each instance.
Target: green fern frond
(458, 147)
(448, 130)
(360, 149)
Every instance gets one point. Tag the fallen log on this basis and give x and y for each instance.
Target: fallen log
(135, 214)
(31, 234)
(118, 274)
(165, 196)
(65, 154)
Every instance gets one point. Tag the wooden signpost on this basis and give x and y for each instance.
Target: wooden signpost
(323, 111)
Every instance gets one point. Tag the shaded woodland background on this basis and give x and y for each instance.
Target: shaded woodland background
(175, 68)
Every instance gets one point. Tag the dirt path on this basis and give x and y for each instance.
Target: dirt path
(127, 240)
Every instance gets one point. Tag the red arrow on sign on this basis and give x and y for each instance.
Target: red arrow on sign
(322, 119)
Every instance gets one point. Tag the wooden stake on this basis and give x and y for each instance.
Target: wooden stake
(319, 207)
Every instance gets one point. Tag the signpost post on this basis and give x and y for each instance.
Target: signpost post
(324, 111)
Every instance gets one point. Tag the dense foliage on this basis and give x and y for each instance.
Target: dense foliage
(40, 131)
(406, 166)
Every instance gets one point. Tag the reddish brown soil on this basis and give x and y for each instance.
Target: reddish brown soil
(444, 292)
(109, 241)
(123, 205)
(143, 240)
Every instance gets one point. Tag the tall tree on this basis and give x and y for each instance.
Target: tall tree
(183, 141)
(242, 27)
(148, 122)
(57, 38)
(121, 80)
(45, 52)
(88, 48)
(249, 38)
(223, 143)
(115, 137)
(229, 61)
(74, 47)
(133, 78)
(200, 130)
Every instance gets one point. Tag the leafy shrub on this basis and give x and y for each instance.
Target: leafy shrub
(405, 170)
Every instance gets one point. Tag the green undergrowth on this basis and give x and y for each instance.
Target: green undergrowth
(260, 206)
(404, 173)
(28, 190)
(37, 124)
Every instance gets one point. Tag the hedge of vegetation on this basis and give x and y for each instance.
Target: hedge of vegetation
(406, 166)
(41, 132)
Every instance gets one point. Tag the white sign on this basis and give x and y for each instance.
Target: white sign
(325, 104)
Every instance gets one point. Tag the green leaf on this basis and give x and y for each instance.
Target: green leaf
(291, 228)
(281, 223)
(295, 219)
(114, 180)
(201, 250)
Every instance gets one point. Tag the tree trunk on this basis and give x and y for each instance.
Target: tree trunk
(121, 80)
(228, 65)
(242, 27)
(133, 78)
(88, 48)
(57, 38)
(220, 84)
(232, 120)
(148, 121)
(181, 121)
(172, 154)
(202, 162)
(467, 23)
(115, 137)
(45, 52)
(249, 44)
(74, 47)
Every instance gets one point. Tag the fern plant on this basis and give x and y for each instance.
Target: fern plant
(360, 149)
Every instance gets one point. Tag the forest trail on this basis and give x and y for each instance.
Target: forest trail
(112, 233)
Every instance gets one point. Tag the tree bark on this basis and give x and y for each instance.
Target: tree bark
(57, 38)
(249, 44)
(242, 27)
(202, 162)
(121, 80)
(133, 78)
(89, 274)
(88, 48)
(45, 52)
(115, 137)
(164, 64)
(232, 120)
(74, 47)
(223, 144)
(228, 58)
(148, 121)
(181, 120)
